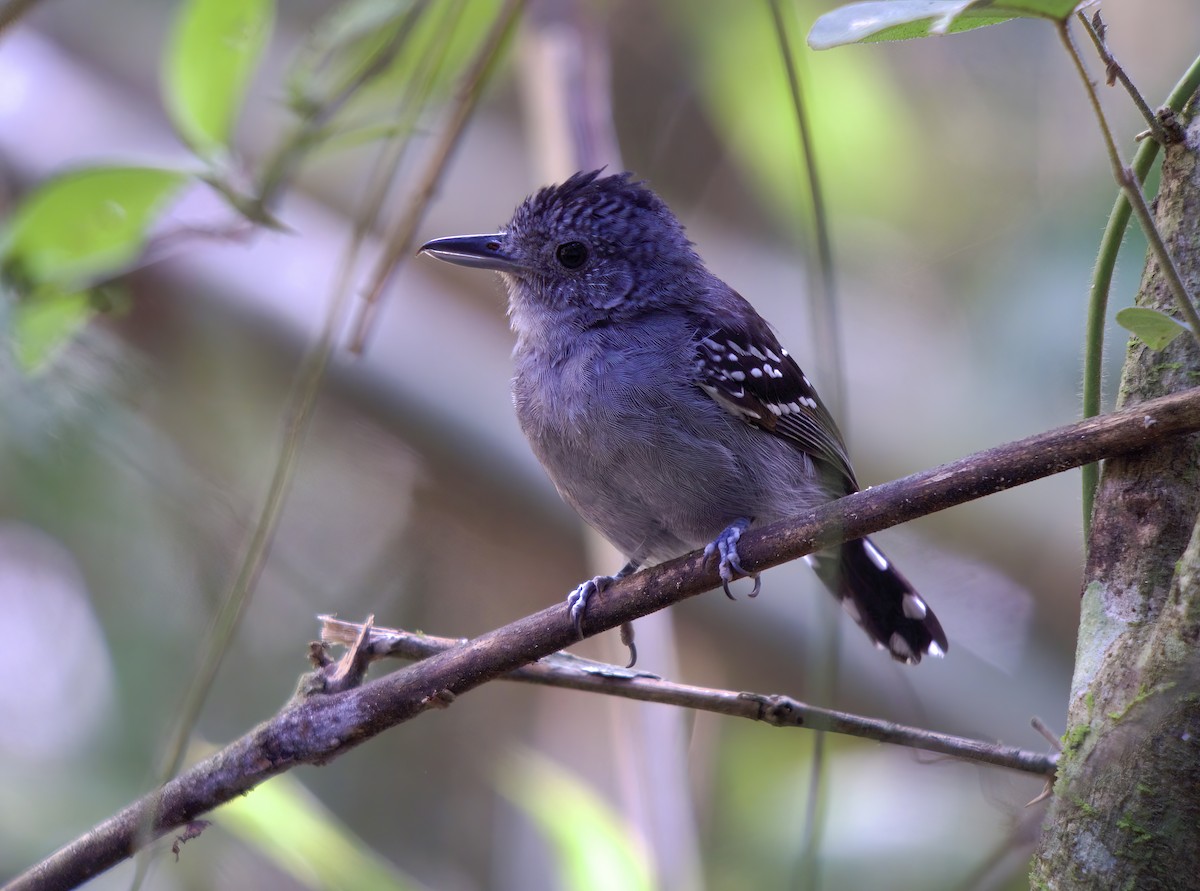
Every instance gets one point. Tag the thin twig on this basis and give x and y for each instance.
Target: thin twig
(1129, 183)
(1097, 30)
(400, 241)
(279, 168)
(1106, 262)
(298, 412)
(823, 312)
(573, 673)
(11, 11)
(1040, 726)
(823, 302)
(315, 728)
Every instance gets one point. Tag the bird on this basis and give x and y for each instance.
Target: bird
(663, 406)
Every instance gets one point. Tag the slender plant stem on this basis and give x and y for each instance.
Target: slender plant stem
(823, 301)
(298, 413)
(400, 241)
(1130, 185)
(823, 311)
(1095, 29)
(1106, 261)
(278, 169)
(11, 11)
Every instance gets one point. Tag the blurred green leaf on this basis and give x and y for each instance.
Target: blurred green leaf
(214, 50)
(905, 19)
(374, 49)
(84, 223)
(1153, 328)
(44, 321)
(352, 136)
(596, 851)
(346, 25)
(288, 825)
(741, 83)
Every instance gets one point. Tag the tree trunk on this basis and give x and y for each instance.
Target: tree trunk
(1126, 808)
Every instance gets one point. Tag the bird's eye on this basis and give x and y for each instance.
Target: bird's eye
(572, 254)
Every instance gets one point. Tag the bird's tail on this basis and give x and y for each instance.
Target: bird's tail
(881, 600)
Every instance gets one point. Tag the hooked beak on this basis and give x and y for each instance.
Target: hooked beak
(476, 251)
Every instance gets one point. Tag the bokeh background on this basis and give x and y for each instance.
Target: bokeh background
(967, 189)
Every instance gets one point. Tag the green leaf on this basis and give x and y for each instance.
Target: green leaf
(740, 84)
(213, 52)
(1153, 328)
(44, 321)
(905, 19)
(596, 851)
(376, 50)
(286, 823)
(84, 224)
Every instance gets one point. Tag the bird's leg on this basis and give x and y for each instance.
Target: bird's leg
(577, 600)
(730, 565)
(627, 639)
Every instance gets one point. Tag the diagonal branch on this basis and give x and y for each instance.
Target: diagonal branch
(315, 727)
(574, 673)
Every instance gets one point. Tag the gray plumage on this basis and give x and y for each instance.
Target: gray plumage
(662, 405)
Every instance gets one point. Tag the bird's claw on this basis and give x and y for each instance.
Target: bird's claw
(730, 564)
(627, 639)
(577, 600)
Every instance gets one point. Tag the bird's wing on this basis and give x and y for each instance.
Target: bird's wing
(751, 376)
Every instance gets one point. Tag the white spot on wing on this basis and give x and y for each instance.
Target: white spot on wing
(732, 407)
(900, 647)
(934, 650)
(913, 606)
(876, 556)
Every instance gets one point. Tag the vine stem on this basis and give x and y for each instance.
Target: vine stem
(1129, 184)
(823, 312)
(1096, 29)
(1106, 261)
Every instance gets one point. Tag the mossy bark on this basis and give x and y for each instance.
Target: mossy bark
(1126, 808)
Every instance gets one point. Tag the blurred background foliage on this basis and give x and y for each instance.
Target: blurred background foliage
(967, 190)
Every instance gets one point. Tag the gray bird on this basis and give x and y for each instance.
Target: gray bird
(662, 404)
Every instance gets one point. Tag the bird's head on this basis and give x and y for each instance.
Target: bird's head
(584, 252)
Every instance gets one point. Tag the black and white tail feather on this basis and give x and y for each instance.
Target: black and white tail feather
(881, 600)
(745, 370)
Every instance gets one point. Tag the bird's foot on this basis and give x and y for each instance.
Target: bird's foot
(730, 565)
(577, 600)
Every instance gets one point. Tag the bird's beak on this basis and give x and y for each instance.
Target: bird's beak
(477, 251)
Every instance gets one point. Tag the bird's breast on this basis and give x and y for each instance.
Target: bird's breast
(571, 395)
